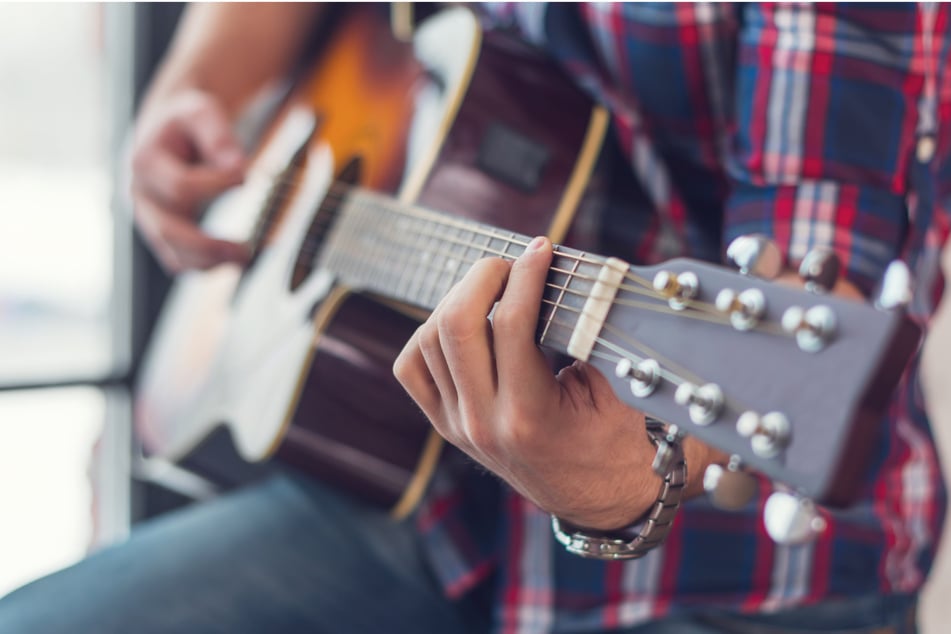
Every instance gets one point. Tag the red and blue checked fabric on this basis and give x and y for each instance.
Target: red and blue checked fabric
(797, 121)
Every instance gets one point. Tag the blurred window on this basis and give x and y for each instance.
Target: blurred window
(62, 321)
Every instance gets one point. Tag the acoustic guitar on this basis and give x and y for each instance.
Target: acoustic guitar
(389, 171)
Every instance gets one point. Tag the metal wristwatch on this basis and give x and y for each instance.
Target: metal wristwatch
(650, 531)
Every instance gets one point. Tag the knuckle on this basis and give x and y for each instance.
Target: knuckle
(505, 319)
(480, 436)
(177, 189)
(404, 367)
(455, 322)
(517, 428)
(429, 338)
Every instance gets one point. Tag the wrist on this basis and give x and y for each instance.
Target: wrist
(650, 530)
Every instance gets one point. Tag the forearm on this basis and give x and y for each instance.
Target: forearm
(233, 50)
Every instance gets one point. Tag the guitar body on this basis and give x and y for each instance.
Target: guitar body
(291, 361)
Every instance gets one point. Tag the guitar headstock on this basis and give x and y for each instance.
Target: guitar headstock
(791, 383)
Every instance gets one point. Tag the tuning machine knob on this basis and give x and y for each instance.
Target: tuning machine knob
(645, 375)
(813, 328)
(756, 255)
(728, 487)
(704, 402)
(769, 434)
(896, 288)
(791, 519)
(745, 308)
(820, 270)
(678, 289)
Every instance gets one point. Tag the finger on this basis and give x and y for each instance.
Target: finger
(411, 371)
(521, 365)
(180, 186)
(212, 133)
(180, 244)
(465, 334)
(432, 352)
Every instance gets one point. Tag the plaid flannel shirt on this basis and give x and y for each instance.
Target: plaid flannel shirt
(797, 121)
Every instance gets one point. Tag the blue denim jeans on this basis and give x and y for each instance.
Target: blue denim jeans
(289, 556)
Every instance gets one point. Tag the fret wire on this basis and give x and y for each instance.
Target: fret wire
(414, 256)
(364, 264)
(419, 275)
(402, 260)
(561, 296)
(433, 275)
(458, 261)
(445, 282)
(487, 247)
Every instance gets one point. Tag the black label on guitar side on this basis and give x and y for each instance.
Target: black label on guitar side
(512, 157)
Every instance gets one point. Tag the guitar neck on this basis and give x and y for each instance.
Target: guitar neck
(415, 255)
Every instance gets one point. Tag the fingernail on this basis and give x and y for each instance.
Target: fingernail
(536, 244)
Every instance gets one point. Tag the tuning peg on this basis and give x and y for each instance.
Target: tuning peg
(645, 375)
(896, 288)
(769, 434)
(678, 289)
(729, 488)
(756, 255)
(791, 519)
(813, 328)
(745, 309)
(703, 403)
(820, 269)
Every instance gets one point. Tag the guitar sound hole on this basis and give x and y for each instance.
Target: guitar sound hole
(323, 219)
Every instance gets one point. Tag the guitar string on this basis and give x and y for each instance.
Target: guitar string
(704, 315)
(712, 313)
(669, 370)
(476, 229)
(339, 191)
(662, 308)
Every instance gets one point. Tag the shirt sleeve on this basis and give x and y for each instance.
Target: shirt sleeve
(826, 111)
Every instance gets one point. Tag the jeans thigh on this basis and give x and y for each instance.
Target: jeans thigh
(284, 556)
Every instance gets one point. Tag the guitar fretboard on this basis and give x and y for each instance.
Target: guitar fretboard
(415, 256)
